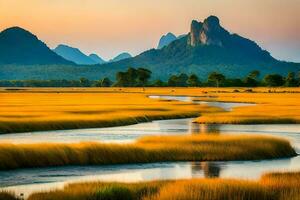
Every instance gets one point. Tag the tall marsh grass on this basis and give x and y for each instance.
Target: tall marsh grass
(38, 111)
(270, 108)
(277, 186)
(146, 150)
(7, 196)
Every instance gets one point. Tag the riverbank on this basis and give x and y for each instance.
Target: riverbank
(146, 150)
(273, 186)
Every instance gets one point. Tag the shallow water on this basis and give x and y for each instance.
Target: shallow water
(35, 180)
(227, 106)
(27, 181)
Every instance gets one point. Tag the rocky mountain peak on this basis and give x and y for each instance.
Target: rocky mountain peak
(209, 32)
(195, 33)
(212, 22)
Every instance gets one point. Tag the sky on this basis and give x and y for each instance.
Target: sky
(109, 27)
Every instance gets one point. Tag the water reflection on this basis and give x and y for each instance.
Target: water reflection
(210, 128)
(197, 129)
(209, 169)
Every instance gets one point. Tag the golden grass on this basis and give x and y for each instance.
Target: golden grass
(287, 184)
(277, 186)
(146, 150)
(7, 196)
(102, 191)
(214, 189)
(273, 108)
(38, 109)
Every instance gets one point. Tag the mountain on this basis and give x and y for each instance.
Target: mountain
(120, 57)
(207, 47)
(74, 55)
(20, 47)
(165, 40)
(181, 36)
(97, 59)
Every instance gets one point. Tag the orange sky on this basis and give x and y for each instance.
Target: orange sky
(108, 27)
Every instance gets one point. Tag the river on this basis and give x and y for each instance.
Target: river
(26, 181)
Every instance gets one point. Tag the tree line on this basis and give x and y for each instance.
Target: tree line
(142, 78)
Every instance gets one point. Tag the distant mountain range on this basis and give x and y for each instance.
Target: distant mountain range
(207, 47)
(97, 59)
(167, 39)
(74, 55)
(121, 56)
(78, 57)
(18, 46)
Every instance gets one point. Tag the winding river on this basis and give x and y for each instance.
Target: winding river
(26, 181)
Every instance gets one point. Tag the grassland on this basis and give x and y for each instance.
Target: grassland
(24, 111)
(7, 196)
(274, 186)
(274, 107)
(146, 150)
(38, 109)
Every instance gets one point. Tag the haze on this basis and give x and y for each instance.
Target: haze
(110, 27)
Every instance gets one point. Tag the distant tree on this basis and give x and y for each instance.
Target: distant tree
(290, 80)
(158, 83)
(216, 78)
(122, 79)
(143, 76)
(193, 81)
(173, 80)
(178, 81)
(298, 78)
(273, 80)
(252, 79)
(182, 80)
(132, 76)
(298, 75)
(105, 82)
(236, 82)
(250, 82)
(84, 82)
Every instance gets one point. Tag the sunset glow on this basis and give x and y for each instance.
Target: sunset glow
(111, 27)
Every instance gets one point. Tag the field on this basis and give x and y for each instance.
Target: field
(55, 109)
(146, 150)
(58, 109)
(52, 109)
(273, 186)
